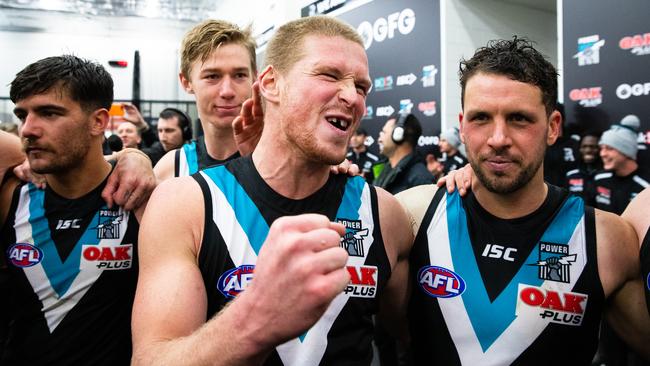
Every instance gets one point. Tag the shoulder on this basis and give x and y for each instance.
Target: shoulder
(416, 201)
(164, 169)
(175, 192)
(636, 213)
(618, 250)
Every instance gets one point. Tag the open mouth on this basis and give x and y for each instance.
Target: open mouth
(340, 123)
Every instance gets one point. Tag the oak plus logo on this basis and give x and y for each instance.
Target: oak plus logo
(638, 44)
(567, 308)
(401, 22)
(589, 50)
(587, 97)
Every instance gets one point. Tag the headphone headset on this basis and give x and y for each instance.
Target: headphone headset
(184, 122)
(399, 131)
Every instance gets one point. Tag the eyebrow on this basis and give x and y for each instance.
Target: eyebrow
(218, 69)
(41, 108)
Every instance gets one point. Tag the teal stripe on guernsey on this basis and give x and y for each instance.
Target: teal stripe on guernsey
(490, 319)
(60, 274)
(246, 212)
(190, 155)
(351, 201)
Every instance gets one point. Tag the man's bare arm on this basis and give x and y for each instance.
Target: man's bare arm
(620, 274)
(169, 316)
(398, 239)
(11, 153)
(416, 201)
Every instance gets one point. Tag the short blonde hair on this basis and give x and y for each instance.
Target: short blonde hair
(207, 36)
(285, 48)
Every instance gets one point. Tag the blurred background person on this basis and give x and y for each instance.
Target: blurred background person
(174, 129)
(360, 155)
(129, 134)
(405, 167)
(623, 178)
(580, 181)
(452, 158)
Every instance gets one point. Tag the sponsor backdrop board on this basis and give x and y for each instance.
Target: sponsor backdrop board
(606, 64)
(402, 39)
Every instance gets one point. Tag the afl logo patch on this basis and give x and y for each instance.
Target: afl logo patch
(647, 281)
(24, 255)
(234, 281)
(440, 282)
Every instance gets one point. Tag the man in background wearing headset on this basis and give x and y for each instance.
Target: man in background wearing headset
(404, 168)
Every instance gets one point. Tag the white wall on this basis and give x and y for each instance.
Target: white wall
(469, 24)
(100, 39)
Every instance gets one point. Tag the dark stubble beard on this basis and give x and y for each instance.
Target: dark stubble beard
(501, 186)
(76, 151)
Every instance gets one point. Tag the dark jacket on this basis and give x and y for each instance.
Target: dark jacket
(409, 172)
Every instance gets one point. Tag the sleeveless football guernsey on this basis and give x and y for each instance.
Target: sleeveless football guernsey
(240, 207)
(193, 156)
(489, 291)
(73, 270)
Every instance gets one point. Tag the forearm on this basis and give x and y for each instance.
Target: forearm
(232, 337)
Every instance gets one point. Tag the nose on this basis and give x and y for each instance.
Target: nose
(499, 137)
(30, 128)
(227, 90)
(348, 92)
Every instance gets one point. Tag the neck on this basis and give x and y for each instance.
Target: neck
(219, 142)
(284, 167)
(516, 204)
(627, 168)
(83, 178)
(400, 153)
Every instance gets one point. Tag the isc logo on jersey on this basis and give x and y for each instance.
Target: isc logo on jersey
(234, 281)
(363, 281)
(440, 282)
(106, 257)
(24, 255)
(554, 306)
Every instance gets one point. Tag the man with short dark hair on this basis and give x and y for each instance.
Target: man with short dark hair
(360, 155)
(71, 259)
(174, 129)
(518, 268)
(405, 167)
